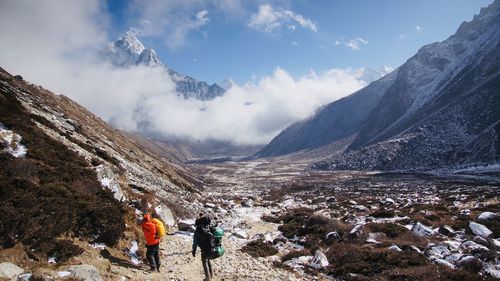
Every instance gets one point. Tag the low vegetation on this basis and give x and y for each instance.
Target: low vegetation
(50, 193)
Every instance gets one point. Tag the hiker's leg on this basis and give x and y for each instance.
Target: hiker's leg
(204, 261)
(150, 256)
(210, 268)
(157, 256)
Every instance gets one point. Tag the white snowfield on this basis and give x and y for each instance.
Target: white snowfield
(12, 142)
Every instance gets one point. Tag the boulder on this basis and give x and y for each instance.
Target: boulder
(479, 229)
(319, 260)
(85, 271)
(487, 216)
(422, 230)
(165, 214)
(9, 270)
(493, 271)
(186, 225)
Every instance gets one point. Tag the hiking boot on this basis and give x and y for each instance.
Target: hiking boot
(152, 269)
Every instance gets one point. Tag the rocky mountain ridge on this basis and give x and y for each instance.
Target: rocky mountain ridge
(424, 115)
(128, 51)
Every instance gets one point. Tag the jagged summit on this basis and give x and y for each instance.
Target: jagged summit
(128, 51)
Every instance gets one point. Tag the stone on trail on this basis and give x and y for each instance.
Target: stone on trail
(9, 270)
(479, 229)
(85, 271)
(247, 203)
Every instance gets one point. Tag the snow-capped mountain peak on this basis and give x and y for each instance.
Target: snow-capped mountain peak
(129, 51)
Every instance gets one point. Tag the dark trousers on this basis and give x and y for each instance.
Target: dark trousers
(153, 256)
(207, 266)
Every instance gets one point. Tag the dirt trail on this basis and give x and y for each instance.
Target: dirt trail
(178, 263)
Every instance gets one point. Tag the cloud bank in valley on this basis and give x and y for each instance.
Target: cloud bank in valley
(57, 44)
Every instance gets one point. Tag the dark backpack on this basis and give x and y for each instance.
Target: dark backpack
(211, 241)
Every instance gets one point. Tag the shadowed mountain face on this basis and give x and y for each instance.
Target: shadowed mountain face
(432, 111)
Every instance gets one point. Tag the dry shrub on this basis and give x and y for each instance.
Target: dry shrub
(383, 213)
(391, 230)
(259, 248)
(270, 218)
(348, 258)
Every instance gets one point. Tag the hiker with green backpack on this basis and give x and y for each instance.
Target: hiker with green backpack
(209, 238)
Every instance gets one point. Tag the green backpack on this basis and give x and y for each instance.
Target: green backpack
(215, 241)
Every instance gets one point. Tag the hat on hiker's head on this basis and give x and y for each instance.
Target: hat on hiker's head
(204, 220)
(147, 217)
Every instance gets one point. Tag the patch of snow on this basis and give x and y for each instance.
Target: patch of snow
(52, 260)
(12, 142)
(100, 246)
(62, 274)
(134, 247)
(109, 180)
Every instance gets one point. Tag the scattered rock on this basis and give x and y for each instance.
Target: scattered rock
(9, 270)
(209, 205)
(319, 260)
(247, 203)
(422, 230)
(388, 201)
(481, 241)
(446, 230)
(85, 271)
(334, 235)
(356, 231)
(360, 208)
(479, 229)
(438, 251)
(240, 234)
(395, 248)
(443, 262)
(186, 225)
(352, 202)
(473, 247)
(487, 216)
(493, 270)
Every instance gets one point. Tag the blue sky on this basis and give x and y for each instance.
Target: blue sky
(296, 55)
(225, 45)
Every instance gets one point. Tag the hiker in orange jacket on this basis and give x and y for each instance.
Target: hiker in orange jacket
(152, 243)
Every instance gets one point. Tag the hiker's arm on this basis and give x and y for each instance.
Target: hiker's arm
(195, 243)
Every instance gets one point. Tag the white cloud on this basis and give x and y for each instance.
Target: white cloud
(418, 29)
(403, 36)
(356, 43)
(270, 20)
(295, 43)
(62, 55)
(172, 21)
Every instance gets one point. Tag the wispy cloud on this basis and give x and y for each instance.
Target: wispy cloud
(271, 20)
(418, 29)
(403, 36)
(356, 43)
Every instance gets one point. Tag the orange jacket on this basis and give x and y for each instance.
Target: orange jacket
(149, 230)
